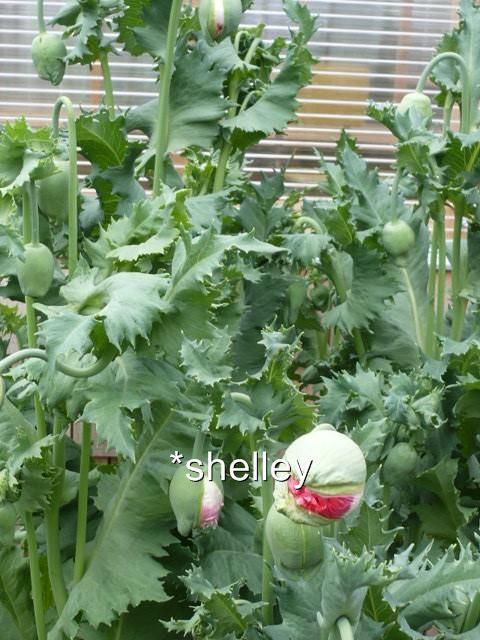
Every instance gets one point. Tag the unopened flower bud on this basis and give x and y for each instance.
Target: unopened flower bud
(195, 504)
(335, 481)
(219, 18)
(294, 546)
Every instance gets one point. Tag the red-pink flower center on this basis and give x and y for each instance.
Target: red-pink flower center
(331, 507)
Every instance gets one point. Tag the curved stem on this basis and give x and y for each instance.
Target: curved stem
(432, 282)
(82, 511)
(107, 82)
(40, 17)
(267, 577)
(344, 628)
(233, 93)
(465, 81)
(413, 306)
(163, 120)
(52, 521)
(308, 222)
(35, 576)
(73, 177)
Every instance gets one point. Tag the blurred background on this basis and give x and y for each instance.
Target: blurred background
(366, 50)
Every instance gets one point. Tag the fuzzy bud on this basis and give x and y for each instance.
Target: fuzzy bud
(195, 504)
(219, 18)
(335, 481)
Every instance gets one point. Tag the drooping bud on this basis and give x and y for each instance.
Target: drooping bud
(195, 504)
(293, 545)
(418, 101)
(219, 18)
(48, 55)
(335, 481)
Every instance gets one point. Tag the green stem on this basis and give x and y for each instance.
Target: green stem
(308, 222)
(267, 577)
(442, 261)
(52, 521)
(107, 82)
(472, 614)
(432, 281)
(199, 445)
(40, 16)
(73, 177)
(344, 628)
(35, 222)
(233, 93)
(395, 184)
(82, 512)
(163, 119)
(458, 302)
(30, 311)
(465, 123)
(413, 305)
(447, 113)
(35, 576)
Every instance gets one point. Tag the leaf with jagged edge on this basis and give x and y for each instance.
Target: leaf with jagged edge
(132, 538)
(143, 26)
(439, 594)
(207, 360)
(370, 282)
(16, 613)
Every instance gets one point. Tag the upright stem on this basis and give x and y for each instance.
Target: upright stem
(267, 578)
(344, 628)
(35, 232)
(107, 82)
(52, 521)
(233, 93)
(82, 511)
(458, 302)
(27, 215)
(442, 260)
(432, 281)
(35, 576)
(395, 184)
(414, 307)
(198, 445)
(40, 16)
(73, 177)
(163, 120)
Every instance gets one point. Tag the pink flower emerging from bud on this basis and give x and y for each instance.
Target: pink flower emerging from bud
(212, 503)
(219, 18)
(334, 483)
(195, 504)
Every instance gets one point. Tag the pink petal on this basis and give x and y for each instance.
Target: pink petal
(212, 503)
(331, 507)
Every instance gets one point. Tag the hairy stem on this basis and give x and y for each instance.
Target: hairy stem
(267, 577)
(163, 119)
(35, 576)
(107, 82)
(52, 521)
(82, 511)
(73, 177)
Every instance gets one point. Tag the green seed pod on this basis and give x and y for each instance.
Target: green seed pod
(195, 504)
(294, 546)
(35, 270)
(398, 237)
(48, 55)
(219, 18)
(53, 192)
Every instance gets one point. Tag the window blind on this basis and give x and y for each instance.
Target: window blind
(366, 50)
